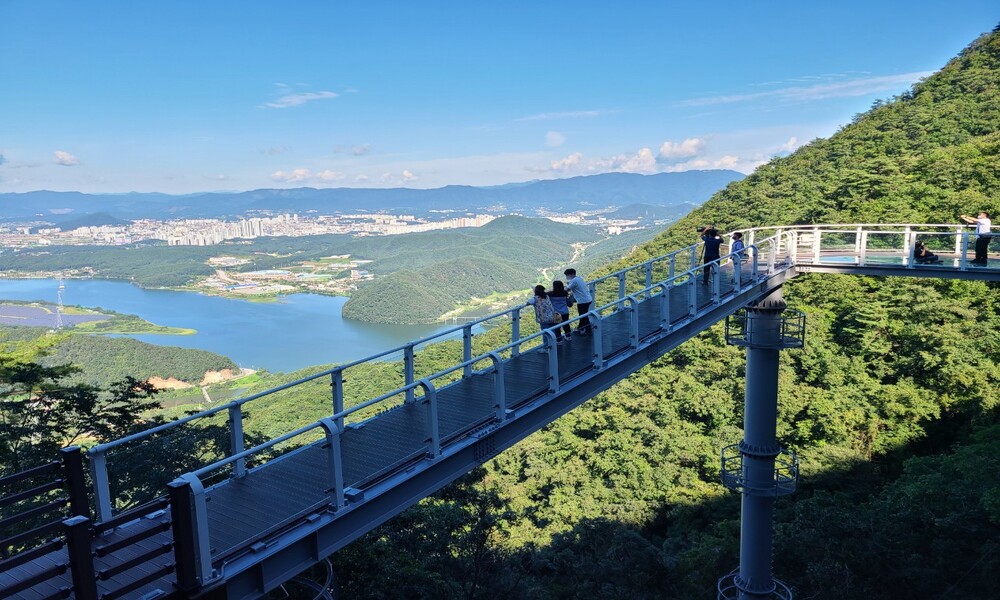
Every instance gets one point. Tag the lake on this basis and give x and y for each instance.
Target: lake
(298, 331)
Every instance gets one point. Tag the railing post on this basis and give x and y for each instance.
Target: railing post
(433, 427)
(467, 350)
(189, 516)
(102, 491)
(335, 462)
(499, 387)
(76, 482)
(408, 371)
(958, 240)
(907, 254)
(593, 290)
(716, 281)
(633, 323)
(81, 557)
(596, 326)
(964, 256)
(816, 244)
(752, 237)
(337, 385)
(737, 274)
(552, 359)
(857, 241)
(692, 295)
(673, 266)
(755, 257)
(694, 257)
(649, 278)
(236, 442)
(909, 248)
(665, 319)
(621, 285)
(515, 331)
(863, 255)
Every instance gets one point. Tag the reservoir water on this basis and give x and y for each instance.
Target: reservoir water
(298, 331)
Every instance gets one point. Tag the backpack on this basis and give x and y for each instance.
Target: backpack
(546, 312)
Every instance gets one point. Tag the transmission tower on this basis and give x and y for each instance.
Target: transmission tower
(59, 303)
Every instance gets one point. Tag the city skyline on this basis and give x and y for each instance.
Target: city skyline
(188, 97)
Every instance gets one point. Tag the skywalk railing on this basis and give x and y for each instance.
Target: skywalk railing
(630, 286)
(865, 244)
(429, 446)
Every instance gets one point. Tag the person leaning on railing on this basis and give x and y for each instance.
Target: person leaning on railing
(982, 223)
(581, 295)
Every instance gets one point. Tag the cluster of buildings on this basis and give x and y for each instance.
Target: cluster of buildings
(208, 232)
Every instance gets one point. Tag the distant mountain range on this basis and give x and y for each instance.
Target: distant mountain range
(568, 195)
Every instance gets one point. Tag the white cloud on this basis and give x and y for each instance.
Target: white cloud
(406, 176)
(860, 86)
(569, 114)
(290, 100)
(689, 147)
(727, 162)
(361, 149)
(791, 144)
(305, 175)
(65, 159)
(361, 179)
(554, 138)
(569, 163)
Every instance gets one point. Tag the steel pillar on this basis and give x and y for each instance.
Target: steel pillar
(757, 475)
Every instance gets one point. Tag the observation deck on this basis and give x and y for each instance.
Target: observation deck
(176, 514)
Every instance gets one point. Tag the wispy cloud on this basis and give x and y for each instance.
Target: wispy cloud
(406, 176)
(65, 159)
(554, 138)
(2, 159)
(290, 100)
(307, 176)
(859, 86)
(569, 114)
(689, 147)
(356, 150)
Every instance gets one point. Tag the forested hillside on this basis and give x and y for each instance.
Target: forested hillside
(892, 407)
(102, 361)
(432, 274)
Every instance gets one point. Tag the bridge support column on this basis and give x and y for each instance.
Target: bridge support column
(758, 467)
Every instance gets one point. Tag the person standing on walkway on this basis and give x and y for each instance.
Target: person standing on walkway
(560, 300)
(545, 314)
(713, 241)
(983, 224)
(581, 294)
(738, 250)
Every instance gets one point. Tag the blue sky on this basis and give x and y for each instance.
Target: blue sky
(187, 96)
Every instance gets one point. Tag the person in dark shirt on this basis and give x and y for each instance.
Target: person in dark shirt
(712, 241)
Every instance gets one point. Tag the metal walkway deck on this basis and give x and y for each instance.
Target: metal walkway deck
(239, 532)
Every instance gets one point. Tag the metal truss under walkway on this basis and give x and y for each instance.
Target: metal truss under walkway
(255, 517)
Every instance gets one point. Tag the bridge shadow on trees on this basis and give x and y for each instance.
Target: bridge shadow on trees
(919, 522)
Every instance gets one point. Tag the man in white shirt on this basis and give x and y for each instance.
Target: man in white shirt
(983, 236)
(581, 294)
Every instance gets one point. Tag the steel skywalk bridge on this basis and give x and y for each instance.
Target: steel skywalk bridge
(245, 523)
